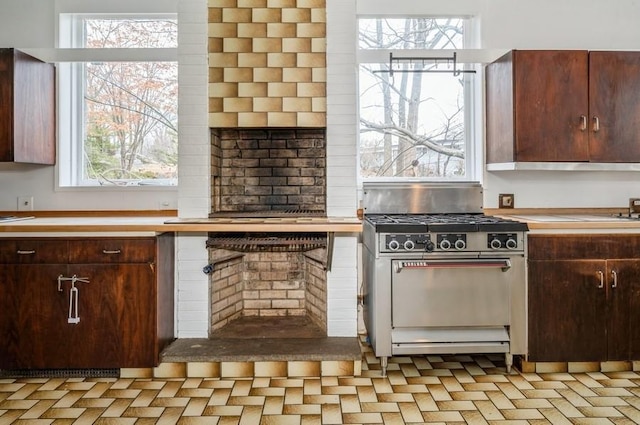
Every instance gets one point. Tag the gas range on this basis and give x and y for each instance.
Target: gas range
(445, 233)
(439, 275)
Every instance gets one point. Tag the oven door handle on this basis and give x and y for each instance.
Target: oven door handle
(502, 263)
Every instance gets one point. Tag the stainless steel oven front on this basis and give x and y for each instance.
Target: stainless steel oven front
(445, 302)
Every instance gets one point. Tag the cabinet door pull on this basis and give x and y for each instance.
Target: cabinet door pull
(583, 122)
(29, 252)
(115, 251)
(596, 124)
(614, 274)
(601, 276)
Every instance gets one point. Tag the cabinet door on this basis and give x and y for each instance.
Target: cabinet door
(117, 316)
(624, 326)
(614, 84)
(9, 290)
(550, 100)
(94, 341)
(567, 310)
(624, 276)
(40, 317)
(27, 107)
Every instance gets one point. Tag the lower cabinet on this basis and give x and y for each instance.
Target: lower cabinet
(85, 303)
(583, 297)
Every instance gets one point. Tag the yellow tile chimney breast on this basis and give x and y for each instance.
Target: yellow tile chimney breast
(296, 75)
(252, 60)
(238, 104)
(282, 119)
(223, 60)
(251, 3)
(311, 90)
(267, 75)
(266, 15)
(296, 45)
(267, 63)
(296, 104)
(252, 90)
(237, 75)
(267, 45)
(282, 60)
(281, 30)
(281, 3)
(311, 30)
(311, 60)
(223, 3)
(233, 14)
(296, 15)
(250, 30)
(311, 3)
(282, 89)
(237, 44)
(223, 30)
(222, 119)
(221, 90)
(267, 104)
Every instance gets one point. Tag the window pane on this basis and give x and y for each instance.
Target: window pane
(130, 122)
(130, 33)
(417, 33)
(413, 120)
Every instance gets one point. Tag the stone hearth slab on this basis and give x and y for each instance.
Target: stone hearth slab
(261, 349)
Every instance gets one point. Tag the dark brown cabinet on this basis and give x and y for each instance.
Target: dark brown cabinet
(563, 106)
(584, 294)
(27, 108)
(124, 302)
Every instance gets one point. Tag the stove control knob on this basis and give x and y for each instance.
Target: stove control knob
(511, 243)
(429, 246)
(460, 245)
(394, 245)
(409, 245)
(496, 244)
(445, 244)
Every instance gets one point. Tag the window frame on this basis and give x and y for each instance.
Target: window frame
(70, 60)
(473, 111)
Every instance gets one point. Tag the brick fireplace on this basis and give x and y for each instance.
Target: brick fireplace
(268, 172)
(270, 169)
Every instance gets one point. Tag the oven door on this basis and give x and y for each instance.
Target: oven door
(460, 292)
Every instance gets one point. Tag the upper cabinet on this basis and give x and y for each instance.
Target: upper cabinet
(27, 108)
(563, 106)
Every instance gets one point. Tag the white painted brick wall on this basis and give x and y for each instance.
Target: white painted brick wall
(192, 288)
(342, 125)
(194, 190)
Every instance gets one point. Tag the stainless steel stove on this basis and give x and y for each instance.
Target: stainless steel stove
(441, 277)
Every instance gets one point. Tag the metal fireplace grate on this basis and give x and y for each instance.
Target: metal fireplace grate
(268, 213)
(267, 242)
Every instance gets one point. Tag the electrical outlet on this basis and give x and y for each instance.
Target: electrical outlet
(505, 200)
(25, 203)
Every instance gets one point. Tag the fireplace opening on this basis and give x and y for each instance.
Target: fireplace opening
(268, 284)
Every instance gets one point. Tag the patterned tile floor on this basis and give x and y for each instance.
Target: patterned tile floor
(420, 389)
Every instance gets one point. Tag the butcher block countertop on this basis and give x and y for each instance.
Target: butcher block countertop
(603, 220)
(111, 222)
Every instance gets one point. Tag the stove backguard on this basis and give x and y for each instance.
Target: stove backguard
(421, 197)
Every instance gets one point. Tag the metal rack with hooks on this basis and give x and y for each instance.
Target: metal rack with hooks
(412, 60)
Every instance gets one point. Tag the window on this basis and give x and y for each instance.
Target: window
(118, 108)
(415, 122)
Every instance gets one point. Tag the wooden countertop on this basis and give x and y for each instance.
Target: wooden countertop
(269, 224)
(601, 220)
(159, 224)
